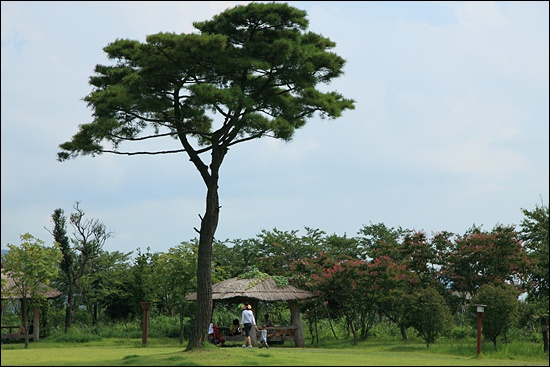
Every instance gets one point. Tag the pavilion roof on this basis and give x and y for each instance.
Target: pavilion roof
(254, 288)
(10, 291)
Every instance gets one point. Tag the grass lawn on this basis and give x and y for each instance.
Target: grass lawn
(167, 352)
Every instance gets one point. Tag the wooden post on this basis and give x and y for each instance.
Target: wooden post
(479, 317)
(36, 324)
(145, 322)
(253, 334)
(297, 322)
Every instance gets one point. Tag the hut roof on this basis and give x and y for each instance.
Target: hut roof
(266, 290)
(10, 291)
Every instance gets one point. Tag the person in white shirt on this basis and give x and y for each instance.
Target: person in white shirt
(247, 320)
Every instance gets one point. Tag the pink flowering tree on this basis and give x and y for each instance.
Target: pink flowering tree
(479, 258)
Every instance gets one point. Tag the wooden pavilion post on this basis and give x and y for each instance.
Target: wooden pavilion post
(253, 335)
(297, 322)
(36, 324)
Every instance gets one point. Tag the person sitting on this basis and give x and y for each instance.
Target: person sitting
(20, 332)
(267, 321)
(235, 328)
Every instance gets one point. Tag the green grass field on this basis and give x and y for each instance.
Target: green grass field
(167, 352)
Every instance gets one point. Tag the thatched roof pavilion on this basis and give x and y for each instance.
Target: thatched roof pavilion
(10, 292)
(238, 290)
(252, 290)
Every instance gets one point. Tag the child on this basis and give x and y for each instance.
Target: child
(263, 337)
(214, 335)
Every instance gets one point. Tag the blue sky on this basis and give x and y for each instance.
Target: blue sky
(450, 128)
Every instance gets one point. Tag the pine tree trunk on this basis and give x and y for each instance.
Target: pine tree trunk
(203, 312)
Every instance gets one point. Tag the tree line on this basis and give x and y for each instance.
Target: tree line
(405, 276)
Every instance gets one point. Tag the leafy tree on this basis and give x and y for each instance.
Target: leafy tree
(443, 243)
(501, 311)
(246, 253)
(31, 265)
(176, 277)
(135, 282)
(354, 288)
(88, 238)
(428, 313)
(226, 262)
(67, 261)
(378, 240)
(342, 284)
(387, 283)
(144, 283)
(306, 274)
(277, 249)
(251, 72)
(421, 257)
(535, 234)
(480, 257)
(104, 281)
(341, 245)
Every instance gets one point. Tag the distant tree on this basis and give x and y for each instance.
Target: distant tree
(428, 313)
(246, 253)
(443, 243)
(253, 70)
(31, 265)
(104, 282)
(89, 236)
(379, 240)
(534, 232)
(347, 246)
(356, 289)
(175, 275)
(479, 257)
(226, 262)
(342, 284)
(143, 282)
(313, 274)
(501, 311)
(67, 262)
(277, 249)
(422, 258)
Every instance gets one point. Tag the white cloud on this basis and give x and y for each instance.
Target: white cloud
(450, 126)
(478, 15)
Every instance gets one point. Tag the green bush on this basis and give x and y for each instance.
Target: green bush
(169, 327)
(385, 330)
(75, 334)
(525, 334)
(462, 332)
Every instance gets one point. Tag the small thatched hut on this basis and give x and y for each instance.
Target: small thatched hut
(252, 290)
(10, 291)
